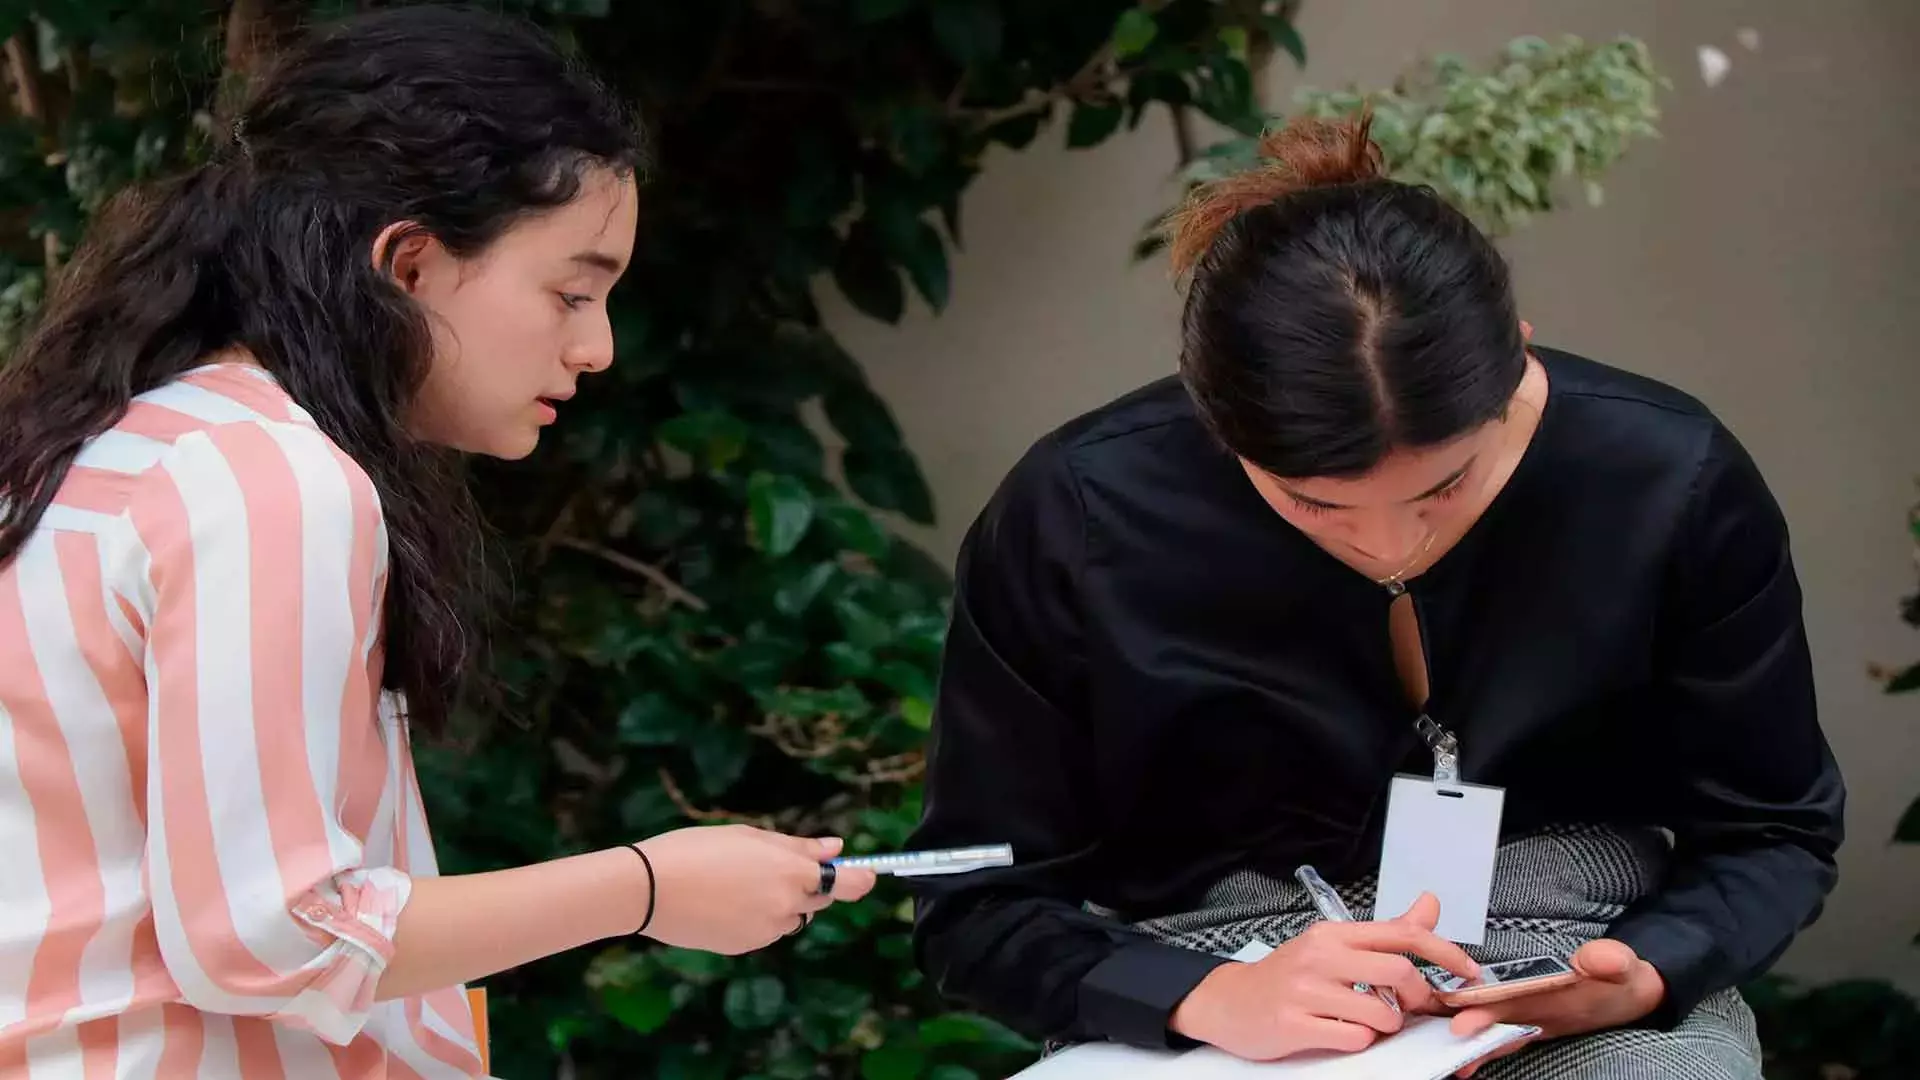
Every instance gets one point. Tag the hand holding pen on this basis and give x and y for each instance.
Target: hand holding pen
(1302, 996)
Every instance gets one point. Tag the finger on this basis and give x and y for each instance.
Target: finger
(817, 848)
(1425, 912)
(1395, 972)
(1340, 1001)
(1320, 1033)
(1605, 959)
(1395, 936)
(853, 883)
(1470, 1022)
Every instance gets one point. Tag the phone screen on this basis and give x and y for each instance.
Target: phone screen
(1506, 971)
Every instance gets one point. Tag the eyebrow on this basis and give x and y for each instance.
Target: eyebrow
(599, 261)
(1451, 479)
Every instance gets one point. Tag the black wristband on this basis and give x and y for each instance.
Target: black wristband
(653, 887)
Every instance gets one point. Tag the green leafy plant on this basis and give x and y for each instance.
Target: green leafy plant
(713, 620)
(1905, 681)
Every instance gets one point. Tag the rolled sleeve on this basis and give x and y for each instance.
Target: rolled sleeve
(265, 552)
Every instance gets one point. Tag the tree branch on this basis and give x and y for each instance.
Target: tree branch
(29, 99)
(674, 590)
(1183, 134)
(707, 817)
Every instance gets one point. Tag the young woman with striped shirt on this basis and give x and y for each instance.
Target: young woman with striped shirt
(231, 577)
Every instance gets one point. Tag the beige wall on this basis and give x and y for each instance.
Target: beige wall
(1765, 254)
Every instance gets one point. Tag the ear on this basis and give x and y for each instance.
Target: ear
(400, 251)
(1526, 331)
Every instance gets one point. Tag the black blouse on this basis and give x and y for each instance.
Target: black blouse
(1152, 679)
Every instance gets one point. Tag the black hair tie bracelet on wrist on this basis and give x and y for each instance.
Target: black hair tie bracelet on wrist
(653, 888)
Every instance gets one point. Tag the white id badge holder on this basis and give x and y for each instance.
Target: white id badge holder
(1441, 837)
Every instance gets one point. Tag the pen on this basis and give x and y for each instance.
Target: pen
(1333, 909)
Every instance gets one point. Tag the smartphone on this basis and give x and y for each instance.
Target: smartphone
(1504, 980)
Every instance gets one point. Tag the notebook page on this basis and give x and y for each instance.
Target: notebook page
(1426, 1049)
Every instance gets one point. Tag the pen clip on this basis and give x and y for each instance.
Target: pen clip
(1446, 753)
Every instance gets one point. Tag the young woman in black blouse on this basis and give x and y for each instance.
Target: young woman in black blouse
(1194, 628)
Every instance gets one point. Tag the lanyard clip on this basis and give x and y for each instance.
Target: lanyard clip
(1446, 752)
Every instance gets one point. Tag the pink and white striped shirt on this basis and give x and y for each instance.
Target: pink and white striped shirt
(209, 818)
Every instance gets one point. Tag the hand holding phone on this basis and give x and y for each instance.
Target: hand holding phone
(1503, 981)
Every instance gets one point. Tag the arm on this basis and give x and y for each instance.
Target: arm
(1008, 762)
(1757, 815)
(263, 550)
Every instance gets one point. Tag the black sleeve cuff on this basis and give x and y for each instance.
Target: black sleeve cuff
(1682, 953)
(1130, 996)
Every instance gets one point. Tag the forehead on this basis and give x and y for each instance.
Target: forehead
(599, 221)
(1401, 477)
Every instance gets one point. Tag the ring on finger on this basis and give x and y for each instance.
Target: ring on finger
(805, 921)
(829, 874)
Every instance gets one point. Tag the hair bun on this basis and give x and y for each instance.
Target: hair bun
(1305, 153)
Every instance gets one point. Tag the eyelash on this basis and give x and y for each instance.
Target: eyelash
(1442, 495)
(574, 301)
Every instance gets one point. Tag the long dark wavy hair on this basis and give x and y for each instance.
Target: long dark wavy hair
(457, 122)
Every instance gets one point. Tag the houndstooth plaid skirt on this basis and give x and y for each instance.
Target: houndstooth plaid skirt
(1553, 891)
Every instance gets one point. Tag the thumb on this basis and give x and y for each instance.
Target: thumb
(1425, 912)
(1604, 959)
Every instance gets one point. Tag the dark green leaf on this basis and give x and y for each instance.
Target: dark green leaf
(1091, 124)
(1905, 681)
(787, 446)
(756, 1002)
(720, 754)
(952, 1072)
(907, 680)
(864, 629)
(867, 278)
(653, 720)
(969, 30)
(1908, 831)
(850, 661)
(892, 1063)
(855, 529)
(691, 1063)
(647, 810)
(644, 1009)
(917, 133)
(1287, 37)
(927, 265)
(1019, 132)
(888, 479)
(971, 1029)
(798, 594)
(714, 439)
(759, 662)
(857, 413)
(871, 11)
(1133, 31)
(779, 512)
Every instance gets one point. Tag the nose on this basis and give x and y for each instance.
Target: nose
(1390, 538)
(592, 350)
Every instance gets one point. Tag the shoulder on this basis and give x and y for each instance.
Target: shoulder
(277, 486)
(1611, 418)
(1122, 443)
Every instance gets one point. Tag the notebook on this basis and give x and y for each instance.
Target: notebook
(1425, 1049)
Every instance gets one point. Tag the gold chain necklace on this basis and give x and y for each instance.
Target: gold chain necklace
(1393, 581)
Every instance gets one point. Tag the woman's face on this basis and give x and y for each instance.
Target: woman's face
(1415, 503)
(516, 326)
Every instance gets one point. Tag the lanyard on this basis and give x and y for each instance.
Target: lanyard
(1446, 751)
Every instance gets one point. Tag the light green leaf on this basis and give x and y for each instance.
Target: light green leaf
(799, 593)
(917, 712)
(1133, 31)
(694, 965)
(779, 512)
